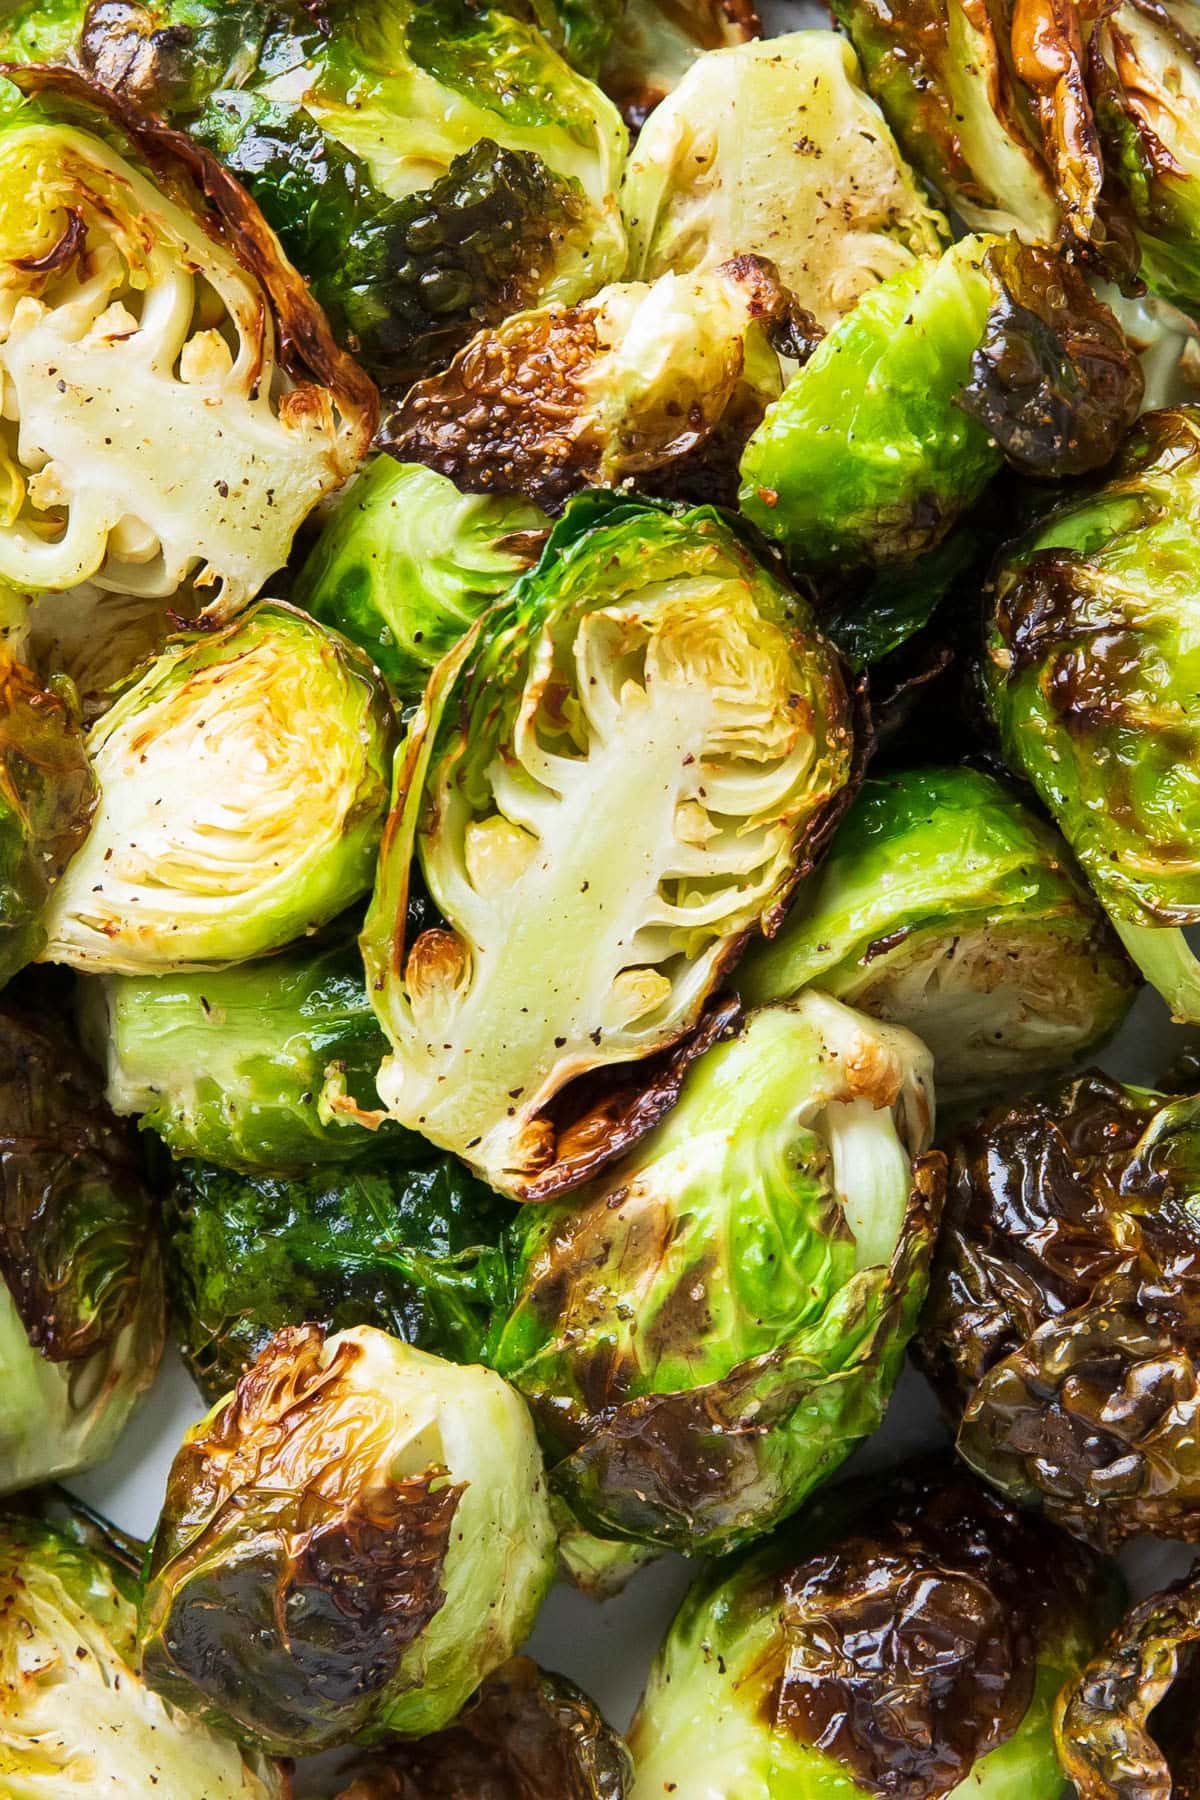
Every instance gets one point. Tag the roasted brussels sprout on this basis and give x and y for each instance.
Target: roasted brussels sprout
(664, 381)
(707, 1333)
(431, 168)
(269, 1065)
(656, 42)
(97, 639)
(619, 775)
(1061, 1324)
(1127, 1726)
(243, 784)
(947, 906)
(905, 1638)
(414, 1251)
(906, 411)
(351, 1542)
(525, 1736)
(75, 1717)
(993, 105)
(163, 367)
(773, 149)
(1089, 675)
(47, 798)
(407, 564)
(81, 1285)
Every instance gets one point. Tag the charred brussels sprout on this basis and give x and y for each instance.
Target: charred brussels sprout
(351, 1542)
(947, 906)
(525, 1736)
(430, 167)
(47, 798)
(656, 42)
(75, 1716)
(773, 149)
(708, 1333)
(619, 775)
(413, 1251)
(269, 1065)
(1091, 674)
(1061, 1329)
(655, 382)
(81, 1284)
(1127, 1725)
(905, 1639)
(407, 564)
(163, 366)
(909, 407)
(993, 105)
(243, 784)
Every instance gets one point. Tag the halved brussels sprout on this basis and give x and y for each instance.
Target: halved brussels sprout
(407, 564)
(269, 1065)
(163, 367)
(705, 1335)
(47, 798)
(947, 906)
(904, 1637)
(1062, 1317)
(659, 382)
(773, 149)
(994, 106)
(81, 1285)
(243, 784)
(525, 1736)
(656, 42)
(902, 416)
(1127, 1726)
(414, 1251)
(618, 776)
(1092, 674)
(351, 1542)
(431, 168)
(75, 1716)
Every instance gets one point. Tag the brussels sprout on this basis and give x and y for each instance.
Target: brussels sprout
(407, 564)
(621, 773)
(906, 1638)
(1091, 674)
(773, 149)
(81, 1286)
(656, 42)
(947, 906)
(1127, 1725)
(351, 1542)
(96, 639)
(270, 1065)
(1062, 1313)
(163, 366)
(75, 1717)
(526, 1736)
(413, 1251)
(47, 798)
(243, 784)
(992, 105)
(706, 1334)
(643, 381)
(905, 412)
(599, 1567)
(431, 167)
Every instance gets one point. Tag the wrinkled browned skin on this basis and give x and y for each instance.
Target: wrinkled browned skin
(255, 1530)
(1129, 1727)
(307, 349)
(908, 1649)
(1055, 381)
(76, 1253)
(122, 48)
(525, 1736)
(1063, 1326)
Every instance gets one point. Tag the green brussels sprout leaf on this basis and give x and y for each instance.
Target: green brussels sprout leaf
(656, 42)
